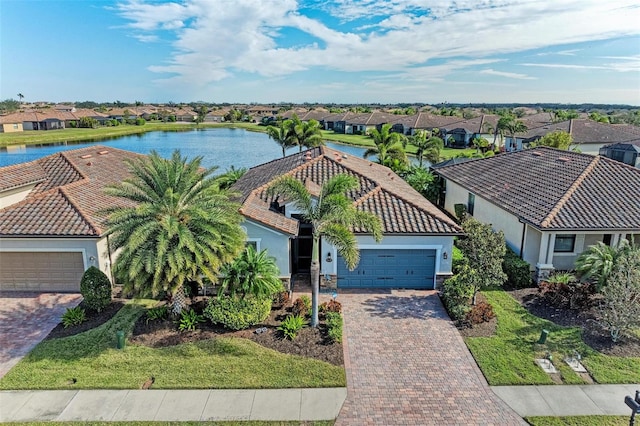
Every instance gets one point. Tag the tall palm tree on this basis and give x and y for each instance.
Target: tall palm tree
(332, 216)
(21, 97)
(174, 226)
(306, 134)
(389, 146)
(511, 125)
(282, 135)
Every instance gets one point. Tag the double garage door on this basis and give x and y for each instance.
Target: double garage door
(41, 271)
(390, 268)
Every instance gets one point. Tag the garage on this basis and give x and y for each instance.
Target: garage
(41, 271)
(390, 268)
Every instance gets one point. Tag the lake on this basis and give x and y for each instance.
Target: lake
(218, 147)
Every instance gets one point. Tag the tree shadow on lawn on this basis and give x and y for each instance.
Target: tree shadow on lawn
(404, 307)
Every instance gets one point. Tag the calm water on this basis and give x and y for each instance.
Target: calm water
(218, 147)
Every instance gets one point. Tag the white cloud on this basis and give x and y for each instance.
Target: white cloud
(215, 40)
(491, 71)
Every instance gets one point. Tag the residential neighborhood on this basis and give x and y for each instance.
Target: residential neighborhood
(336, 213)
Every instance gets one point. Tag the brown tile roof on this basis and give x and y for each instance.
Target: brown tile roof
(555, 190)
(21, 175)
(69, 195)
(380, 191)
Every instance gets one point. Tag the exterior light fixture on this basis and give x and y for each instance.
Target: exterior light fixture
(329, 259)
(445, 255)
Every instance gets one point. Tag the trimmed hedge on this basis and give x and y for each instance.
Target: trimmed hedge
(95, 288)
(237, 313)
(518, 270)
(457, 260)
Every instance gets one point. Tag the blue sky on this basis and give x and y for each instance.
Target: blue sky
(342, 51)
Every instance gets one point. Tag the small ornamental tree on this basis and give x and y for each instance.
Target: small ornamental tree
(620, 308)
(484, 249)
(95, 288)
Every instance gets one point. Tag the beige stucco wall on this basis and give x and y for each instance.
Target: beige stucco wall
(14, 195)
(11, 127)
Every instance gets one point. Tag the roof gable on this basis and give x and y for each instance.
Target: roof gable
(553, 189)
(380, 191)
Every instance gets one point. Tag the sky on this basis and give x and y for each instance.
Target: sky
(326, 51)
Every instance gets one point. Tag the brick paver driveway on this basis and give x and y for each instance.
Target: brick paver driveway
(407, 364)
(26, 319)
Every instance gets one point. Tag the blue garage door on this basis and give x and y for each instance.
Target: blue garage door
(390, 268)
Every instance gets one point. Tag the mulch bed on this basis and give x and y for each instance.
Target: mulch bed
(310, 342)
(486, 329)
(593, 334)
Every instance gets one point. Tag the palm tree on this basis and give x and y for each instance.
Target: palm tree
(389, 146)
(282, 134)
(21, 97)
(597, 262)
(332, 216)
(231, 176)
(174, 226)
(305, 134)
(253, 273)
(512, 125)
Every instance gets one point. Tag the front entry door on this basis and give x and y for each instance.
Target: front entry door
(301, 247)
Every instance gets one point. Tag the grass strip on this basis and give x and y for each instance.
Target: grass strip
(508, 357)
(578, 421)
(222, 363)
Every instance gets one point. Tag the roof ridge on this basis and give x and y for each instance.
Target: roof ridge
(368, 195)
(63, 154)
(436, 213)
(80, 212)
(572, 189)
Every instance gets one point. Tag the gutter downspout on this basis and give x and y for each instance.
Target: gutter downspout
(113, 279)
(524, 231)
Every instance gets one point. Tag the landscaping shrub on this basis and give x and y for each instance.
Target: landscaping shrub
(291, 326)
(518, 270)
(281, 298)
(189, 320)
(331, 306)
(334, 326)
(96, 289)
(73, 316)
(461, 212)
(481, 312)
(302, 306)
(562, 289)
(140, 121)
(457, 260)
(456, 294)
(237, 313)
(157, 313)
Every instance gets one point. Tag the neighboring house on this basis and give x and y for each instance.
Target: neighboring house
(627, 153)
(418, 238)
(10, 123)
(551, 204)
(50, 227)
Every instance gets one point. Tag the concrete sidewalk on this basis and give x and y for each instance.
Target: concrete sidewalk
(567, 400)
(171, 405)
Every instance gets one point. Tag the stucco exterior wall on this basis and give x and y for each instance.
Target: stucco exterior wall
(532, 246)
(11, 127)
(276, 243)
(14, 195)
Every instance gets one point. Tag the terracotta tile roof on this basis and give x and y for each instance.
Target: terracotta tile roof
(555, 190)
(69, 196)
(21, 175)
(380, 191)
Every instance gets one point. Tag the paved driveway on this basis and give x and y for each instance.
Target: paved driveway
(26, 319)
(407, 364)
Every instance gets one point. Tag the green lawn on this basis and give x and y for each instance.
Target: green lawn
(578, 421)
(232, 363)
(508, 357)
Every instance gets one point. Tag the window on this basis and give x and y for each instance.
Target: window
(471, 203)
(565, 243)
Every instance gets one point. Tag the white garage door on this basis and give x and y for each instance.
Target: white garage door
(41, 271)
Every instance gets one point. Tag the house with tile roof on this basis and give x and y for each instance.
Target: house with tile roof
(551, 204)
(418, 238)
(625, 152)
(51, 229)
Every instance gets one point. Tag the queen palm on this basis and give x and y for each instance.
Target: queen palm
(174, 226)
(282, 134)
(389, 146)
(332, 216)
